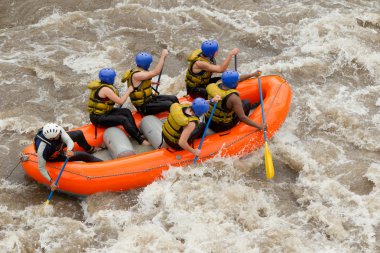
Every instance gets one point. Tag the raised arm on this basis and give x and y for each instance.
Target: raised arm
(146, 75)
(201, 65)
(243, 77)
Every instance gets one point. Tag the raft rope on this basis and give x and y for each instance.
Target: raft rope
(180, 163)
(270, 107)
(13, 170)
(22, 158)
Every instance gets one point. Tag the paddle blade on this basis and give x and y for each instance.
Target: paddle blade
(47, 202)
(269, 168)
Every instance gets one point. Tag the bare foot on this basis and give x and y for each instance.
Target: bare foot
(146, 143)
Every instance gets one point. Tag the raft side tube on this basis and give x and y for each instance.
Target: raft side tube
(117, 143)
(151, 127)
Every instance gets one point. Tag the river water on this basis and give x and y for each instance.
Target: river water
(325, 196)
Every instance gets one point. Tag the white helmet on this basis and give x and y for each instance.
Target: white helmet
(51, 130)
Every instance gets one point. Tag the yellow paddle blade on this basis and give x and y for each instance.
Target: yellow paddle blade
(47, 202)
(269, 168)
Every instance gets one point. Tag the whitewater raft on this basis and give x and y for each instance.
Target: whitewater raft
(143, 168)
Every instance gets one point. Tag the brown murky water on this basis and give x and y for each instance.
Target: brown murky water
(325, 196)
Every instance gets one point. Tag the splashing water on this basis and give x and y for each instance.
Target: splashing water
(325, 195)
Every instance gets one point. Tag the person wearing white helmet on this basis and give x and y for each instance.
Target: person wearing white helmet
(49, 143)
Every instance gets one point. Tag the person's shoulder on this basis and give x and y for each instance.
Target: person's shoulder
(106, 90)
(193, 123)
(202, 63)
(139, 75)
(233, 97)
(62, 129)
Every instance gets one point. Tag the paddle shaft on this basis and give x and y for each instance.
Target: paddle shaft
(56, 181)
(262, 107)
(204, 132)
(159, 77)
(235, 57)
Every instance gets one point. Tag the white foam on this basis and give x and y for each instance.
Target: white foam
(378, 102)
(11, 243)
(88, 62)
(23, 125)
(4, 150)
(331, 134)
(373, 174)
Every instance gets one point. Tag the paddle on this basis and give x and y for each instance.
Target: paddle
(269, 168)
(158, 80)
(204, 132)
(235, 57)
(56, 182)
(155, 90)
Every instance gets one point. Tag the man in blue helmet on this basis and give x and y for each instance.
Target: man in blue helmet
(103, 96)
(182, 125)
(202, 65)
(230, 109)
(140, 79)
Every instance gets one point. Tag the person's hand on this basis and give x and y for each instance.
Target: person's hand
(216, 98)
(234, 51)
(164, 53)
(53, 187)
(155, 83)
(69, 153)
(257, 73)
(263, 127)
(197, 152)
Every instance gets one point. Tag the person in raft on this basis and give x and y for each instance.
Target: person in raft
(49, 143)
(140, 79)
(202, 65)
(230, 109)
(102, 98)
(182, 125)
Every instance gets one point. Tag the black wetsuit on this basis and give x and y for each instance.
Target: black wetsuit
(199, 91)
(52, 150)
(157, 104)
(221, 127)
(118, 116)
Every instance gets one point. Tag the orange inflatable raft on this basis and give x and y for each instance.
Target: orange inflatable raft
(143, 168)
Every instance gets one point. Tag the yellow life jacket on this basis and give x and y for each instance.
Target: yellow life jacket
(141, 94)
(197, 79)
(176, 121)
(96, 105)
(221, 114)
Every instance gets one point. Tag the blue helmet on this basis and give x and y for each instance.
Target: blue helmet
(230, 78)
(200, 106)
(209, 48)
(107, 75)
(143, 60)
